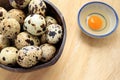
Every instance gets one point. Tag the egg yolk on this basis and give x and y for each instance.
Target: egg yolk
(95, 22)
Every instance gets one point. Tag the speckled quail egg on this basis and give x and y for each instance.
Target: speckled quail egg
(19, 3)
(17, 14)
(35, 24)
(29, 56)
(43, 39)
(54, 33)
(50, 20)
(10, 28)
(25, 39)
(48, 52)
(37, 6)
(3, 13)
(4, 42)
(8, 56)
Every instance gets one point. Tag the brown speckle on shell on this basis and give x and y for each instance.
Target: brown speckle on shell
(38, 48)
(49, 22)
(36, 7)
(41, 17)
(52, 33)
(28, 36)
(37, 40)
(20, 17)
(9, 26)
(44, 29)
(33, 24)
(43, 8)
(25, 49)
(20, 58)
(59, 38)
(25, 27)
(51, 19)
(18, 40)
(37, 59)
(4, 58)
(29, 22)
(41, 3)
(42, 26)
(1, 14)
(3, 29)
(59, 31)
(8, 36)
(16, 51)
(39, 31)
(32, 48)
(16, 33)
(30, 42)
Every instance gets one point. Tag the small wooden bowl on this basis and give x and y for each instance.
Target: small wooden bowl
(51, 11)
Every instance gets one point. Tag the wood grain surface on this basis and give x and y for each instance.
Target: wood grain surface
(83, 58)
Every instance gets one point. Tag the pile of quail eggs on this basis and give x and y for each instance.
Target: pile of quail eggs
(27, 39)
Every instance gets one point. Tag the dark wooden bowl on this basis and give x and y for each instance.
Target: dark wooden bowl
(51, 11)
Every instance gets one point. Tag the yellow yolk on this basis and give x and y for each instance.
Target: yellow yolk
(95, 22)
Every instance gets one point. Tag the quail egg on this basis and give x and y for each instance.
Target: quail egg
(43, 39)
(3, 13)
(48, 52)
(54, 33)
(29, 56)
(8, 56)
(26, 39)
(35, 24)
(17, 14)
(4, 42)
(37, 6)
(19, 3)
(50, 20)
(10, 28)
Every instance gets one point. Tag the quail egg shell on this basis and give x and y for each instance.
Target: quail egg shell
(8, 56)
(54, 33)
(29, 56)
(37, 6)
(48, 52)
(17, 14)
(4, 42)
(50, 20)
(35, 24)
(10, 28)
(25, 39)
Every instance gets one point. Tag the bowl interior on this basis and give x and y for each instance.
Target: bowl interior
(51, 11)
(102, 9)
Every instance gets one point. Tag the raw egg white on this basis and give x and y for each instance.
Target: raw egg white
(96, 22)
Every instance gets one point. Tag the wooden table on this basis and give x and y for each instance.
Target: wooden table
(83, 58)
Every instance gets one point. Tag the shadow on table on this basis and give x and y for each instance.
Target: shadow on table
(34, 75)
(102, 42)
